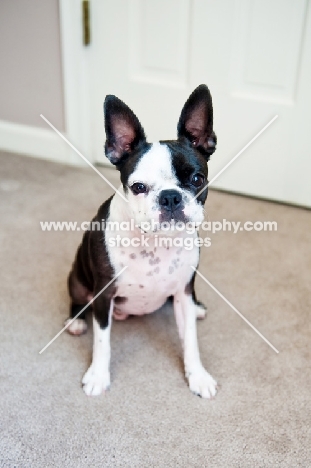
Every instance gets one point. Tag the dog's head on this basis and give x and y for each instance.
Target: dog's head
(161, 179)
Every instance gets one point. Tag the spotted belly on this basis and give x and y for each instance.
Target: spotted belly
(152, 275)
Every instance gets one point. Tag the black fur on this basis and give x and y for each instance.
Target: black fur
(128, 165)
(91, 272)
(189, 289)
(187, 161)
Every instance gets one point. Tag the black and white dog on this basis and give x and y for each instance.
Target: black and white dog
(159, 183)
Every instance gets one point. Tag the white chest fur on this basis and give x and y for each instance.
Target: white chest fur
(156, 269)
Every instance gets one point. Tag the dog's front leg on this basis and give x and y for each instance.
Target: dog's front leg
(97, 378)
(200, 381)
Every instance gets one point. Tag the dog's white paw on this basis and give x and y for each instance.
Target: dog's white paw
(95, 382)
(77, 327)
(201, 383)
(201, 311)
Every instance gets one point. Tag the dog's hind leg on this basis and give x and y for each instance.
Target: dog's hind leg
(201, 309)
(80, 296)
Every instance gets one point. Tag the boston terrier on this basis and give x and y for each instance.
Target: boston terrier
(125, 269)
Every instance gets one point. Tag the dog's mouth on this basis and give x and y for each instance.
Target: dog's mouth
(172, 216)
(164, 221)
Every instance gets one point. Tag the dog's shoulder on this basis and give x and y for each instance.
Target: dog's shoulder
(93, 245)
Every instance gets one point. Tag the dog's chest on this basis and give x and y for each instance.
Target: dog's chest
(153, 274)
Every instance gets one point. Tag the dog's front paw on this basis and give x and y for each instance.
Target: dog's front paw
(201, 383)
(95, 382)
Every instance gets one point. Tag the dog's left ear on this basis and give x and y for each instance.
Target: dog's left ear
(123, 130)
(196, 121)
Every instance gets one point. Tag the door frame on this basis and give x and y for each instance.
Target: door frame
(75, 67)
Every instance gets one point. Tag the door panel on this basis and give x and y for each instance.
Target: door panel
(158, 48)
(266, 49)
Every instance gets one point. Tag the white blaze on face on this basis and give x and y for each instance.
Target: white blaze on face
(155, 170)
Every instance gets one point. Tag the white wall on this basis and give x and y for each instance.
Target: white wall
(30, 57)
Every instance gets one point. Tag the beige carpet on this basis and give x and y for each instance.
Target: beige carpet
(262, 414)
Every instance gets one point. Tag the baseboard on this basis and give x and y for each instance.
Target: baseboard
(34, 141)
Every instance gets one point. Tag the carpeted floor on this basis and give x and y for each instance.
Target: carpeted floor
(149, 418)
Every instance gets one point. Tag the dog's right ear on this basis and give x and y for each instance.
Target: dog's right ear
(123, 130)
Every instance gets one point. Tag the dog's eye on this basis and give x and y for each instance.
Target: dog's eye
(197, 180)
(138, 187)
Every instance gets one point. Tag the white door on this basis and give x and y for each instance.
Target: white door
(253, 54)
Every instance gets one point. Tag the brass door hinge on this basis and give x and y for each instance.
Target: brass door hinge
(86, 22)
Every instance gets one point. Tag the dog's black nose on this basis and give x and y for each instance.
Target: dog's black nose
(170, 199)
